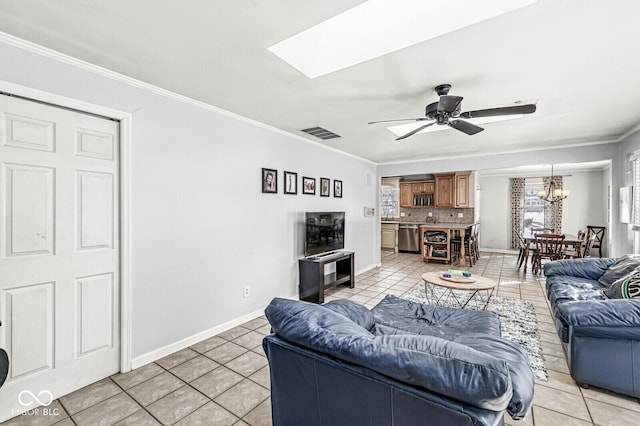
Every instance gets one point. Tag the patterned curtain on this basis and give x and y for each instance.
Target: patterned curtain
(553, 211)
(517, 209)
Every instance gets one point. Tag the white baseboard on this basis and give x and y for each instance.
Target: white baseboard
(368, 268)
(156, 354)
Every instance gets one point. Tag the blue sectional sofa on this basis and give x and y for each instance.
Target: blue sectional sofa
(400, 363)
(598, 327)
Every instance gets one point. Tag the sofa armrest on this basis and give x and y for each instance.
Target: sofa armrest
(590, 267)
(614, 319)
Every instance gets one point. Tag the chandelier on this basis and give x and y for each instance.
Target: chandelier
(553, 194)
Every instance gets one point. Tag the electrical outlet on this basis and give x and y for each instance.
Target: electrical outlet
(246, 292)
(430, 214)
(460, 215)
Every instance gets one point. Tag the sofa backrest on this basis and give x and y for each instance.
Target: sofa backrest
(437, 365)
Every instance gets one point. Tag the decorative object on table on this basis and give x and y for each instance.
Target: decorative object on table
(324, 187)
(269, 181)
(518, 323)
(337, 188)
(308, 185)
(290, 183)
(554, 191)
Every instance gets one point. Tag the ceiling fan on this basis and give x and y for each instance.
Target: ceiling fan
(447, 112)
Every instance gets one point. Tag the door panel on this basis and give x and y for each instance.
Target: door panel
(30, 312)
(59, 249)
(29, 210)
(94, 313)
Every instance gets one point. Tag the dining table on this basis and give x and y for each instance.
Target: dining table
(570, 240)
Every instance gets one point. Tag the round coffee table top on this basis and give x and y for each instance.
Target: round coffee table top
(481, 283)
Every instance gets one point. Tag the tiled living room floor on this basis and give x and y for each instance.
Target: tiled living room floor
(224, 380)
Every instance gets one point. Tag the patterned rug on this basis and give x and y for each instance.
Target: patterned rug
(517, 320)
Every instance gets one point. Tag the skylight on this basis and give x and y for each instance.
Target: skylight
(403, 129)
(377, 27)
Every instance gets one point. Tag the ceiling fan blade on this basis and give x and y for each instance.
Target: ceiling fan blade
(414, 131)
(492, 112)
(400, 119)
(448, 103)
(465, 127)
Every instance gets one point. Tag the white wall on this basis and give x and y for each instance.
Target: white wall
(494, 225)
(583, 207)
(201, 228)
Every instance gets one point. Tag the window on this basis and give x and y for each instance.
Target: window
(533, 210)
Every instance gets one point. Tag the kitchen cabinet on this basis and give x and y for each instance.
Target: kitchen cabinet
(462, 189)
(389, 236)
(417, 194)
(445, 189)
(406, 196)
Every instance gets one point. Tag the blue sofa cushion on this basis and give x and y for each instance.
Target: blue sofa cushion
(438, 365)
(625, 288)
(522, 378)
(394, 315)
(352, 310)
(620, 269)
(589, 267)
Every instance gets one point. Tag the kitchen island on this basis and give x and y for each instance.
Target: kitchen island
(435, 240)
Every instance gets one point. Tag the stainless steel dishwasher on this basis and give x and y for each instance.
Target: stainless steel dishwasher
(409, 238)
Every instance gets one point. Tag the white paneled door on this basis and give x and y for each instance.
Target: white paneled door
(59, 252)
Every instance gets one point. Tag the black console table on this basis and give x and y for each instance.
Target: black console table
(313, 281)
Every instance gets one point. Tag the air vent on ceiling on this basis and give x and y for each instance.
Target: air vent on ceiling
(321, 133)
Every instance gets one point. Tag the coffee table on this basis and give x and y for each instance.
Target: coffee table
(440, 292)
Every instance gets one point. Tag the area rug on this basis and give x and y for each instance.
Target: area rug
(518, 323)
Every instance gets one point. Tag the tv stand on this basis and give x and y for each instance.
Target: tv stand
(313, 281)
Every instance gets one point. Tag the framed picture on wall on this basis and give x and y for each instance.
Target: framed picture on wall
(337, 188)
(324, 187)
(269, 181)
(308, 185)
(290, 183)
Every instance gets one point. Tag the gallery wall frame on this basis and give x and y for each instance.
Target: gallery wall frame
(269, 181)
(337, 188)
(325, 187)
(308, 185)
(290, 182)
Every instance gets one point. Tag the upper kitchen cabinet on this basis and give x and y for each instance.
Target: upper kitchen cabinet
(445, 190)
(462, 189)
(406, 196)
(452, 189)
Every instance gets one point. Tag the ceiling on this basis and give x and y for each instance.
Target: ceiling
(576, 59)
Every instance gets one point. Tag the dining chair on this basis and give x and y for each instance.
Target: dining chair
(579, 249)
(548, 246)
(588, 246)
(597, 233)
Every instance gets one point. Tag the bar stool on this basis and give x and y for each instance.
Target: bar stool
(469, 246)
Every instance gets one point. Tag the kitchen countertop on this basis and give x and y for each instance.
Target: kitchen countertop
(429, 225)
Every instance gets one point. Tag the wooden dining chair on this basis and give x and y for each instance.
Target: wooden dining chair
(579, 249)
(548, 246)
(597, 233)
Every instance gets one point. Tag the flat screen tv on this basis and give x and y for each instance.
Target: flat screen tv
(324, 232)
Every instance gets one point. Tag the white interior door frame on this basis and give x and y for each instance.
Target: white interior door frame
(125, 197)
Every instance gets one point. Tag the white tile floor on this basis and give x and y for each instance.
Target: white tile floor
(224, 380)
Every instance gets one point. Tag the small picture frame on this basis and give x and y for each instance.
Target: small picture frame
(325, 186)
(290, 183)
(269, 181)
(337, 188)
(308, 185)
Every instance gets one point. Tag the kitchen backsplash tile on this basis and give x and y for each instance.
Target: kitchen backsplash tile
(439, 215)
